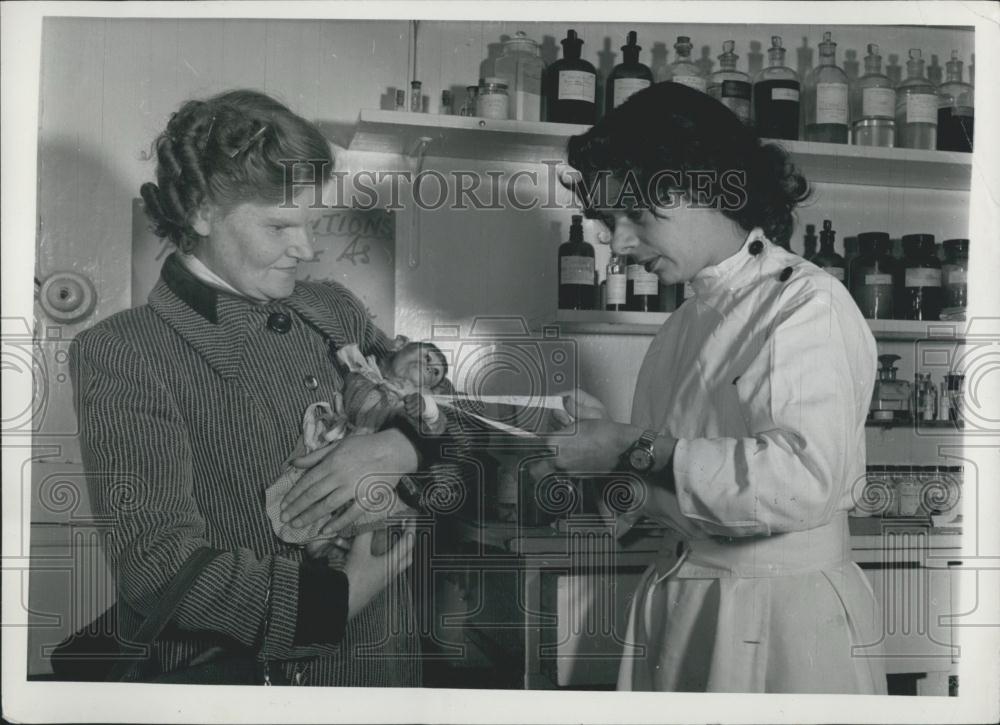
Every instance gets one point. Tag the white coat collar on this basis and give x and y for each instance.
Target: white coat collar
(736, 269)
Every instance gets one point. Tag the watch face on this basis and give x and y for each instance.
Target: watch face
(640, 459)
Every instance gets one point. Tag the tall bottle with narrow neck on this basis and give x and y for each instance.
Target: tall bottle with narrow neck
(955, 109)
(873, 105)
(776, 96)
(683, 70)
(916, 107)
(731, 86)
(629, 76)
(825, 94)
(570, 85)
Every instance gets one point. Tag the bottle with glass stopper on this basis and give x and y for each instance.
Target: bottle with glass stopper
(576, 270)
(955, 109)
(873, 105)
(776, 96)
(827, 258)
(628, 77)
(916, 107)
(809, 242)
(571, 85)
(616, 284)
(683, 70)
(825, 96)
(731, 86)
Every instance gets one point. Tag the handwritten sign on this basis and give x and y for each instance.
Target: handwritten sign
(354, 247)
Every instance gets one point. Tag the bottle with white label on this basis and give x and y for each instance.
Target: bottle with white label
(825, 97)
(683, 70)
(731, 86)
(873, 275)
(628, 77)
(776, 96)
(954, 272)
(571, 86)
(576, 270)
(615, 284)
(955, 109)
(873, 105)
(921, 294)
(521, 66)
(916, 107)
(827, 258)
(642, 288)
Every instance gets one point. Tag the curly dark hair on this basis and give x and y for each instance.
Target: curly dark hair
(230, 148)
(666, 133)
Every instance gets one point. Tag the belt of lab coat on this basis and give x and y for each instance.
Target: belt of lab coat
(786, 554)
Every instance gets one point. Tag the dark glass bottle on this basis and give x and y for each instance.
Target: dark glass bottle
(921, 294)
(628, 77)
(571, 86)
(827, 258)
(954, 272)
(776, 96)
(642, 288)
(809, 242)
(616, 285)
(955, 109)
(850, 253)
(576, 270)
(873, 274)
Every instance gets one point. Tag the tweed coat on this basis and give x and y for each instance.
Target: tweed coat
(189, 407)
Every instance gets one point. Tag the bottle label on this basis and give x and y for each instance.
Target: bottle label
(616, 288)
(837, 272)
(492, 105)
(696, 82)
(921, 108)
(577, 85)
(643, 282)
(874, 279)
(625, 87)
(831, 103)
(957, 276)
(923, 277)
(785, 94)
(736, 97)
(879, 102)
(576, 270)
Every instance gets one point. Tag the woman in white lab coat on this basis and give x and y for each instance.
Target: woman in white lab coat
(747, 433)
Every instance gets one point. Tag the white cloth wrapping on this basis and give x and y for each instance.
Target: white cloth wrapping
(766, 383)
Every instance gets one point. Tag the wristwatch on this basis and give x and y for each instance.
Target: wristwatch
(639, 457)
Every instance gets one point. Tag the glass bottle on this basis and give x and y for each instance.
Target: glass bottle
(873, 105)
(809, 242)
(850, 254)
(956, 104)
(571, 86)
(576, 270)
(872, 276)
(731, 86)
(827, 258)
(400, 99)
(628, 77)
(921, 293)
(891, 399)
(445, 108)
(642, 288)
(908, 489)
(521, 66)
(825, 96)
(955, 271)
(493, 100)
(683, 70)
(416, 97)
(776, 96)
(471, 98)
(616, 284)
(916, 107)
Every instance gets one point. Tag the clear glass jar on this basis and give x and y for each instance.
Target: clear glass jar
(825, 97)
(469, 107)
(916, 107)
(493, 101)
(730, 86)
(873, 275)
(873, 105)
(955, 271)
(521, 67)
(683, 70)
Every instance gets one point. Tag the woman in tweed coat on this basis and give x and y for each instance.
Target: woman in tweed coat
(190, 405)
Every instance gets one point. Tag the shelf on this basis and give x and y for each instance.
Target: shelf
(599, 322)
(397, 132)
(918, 425)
